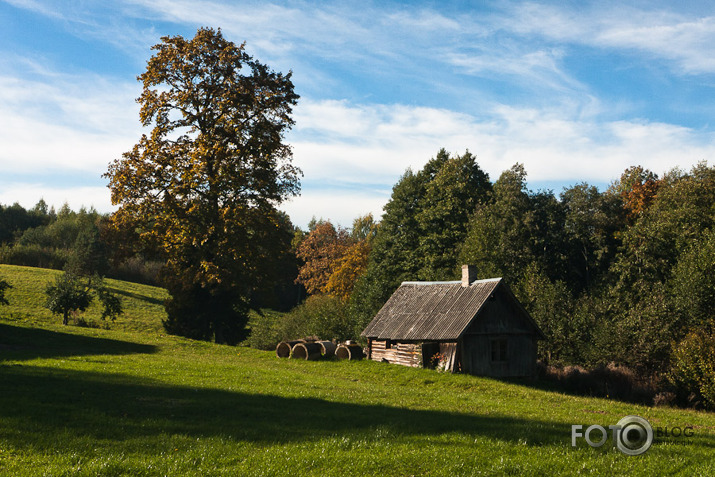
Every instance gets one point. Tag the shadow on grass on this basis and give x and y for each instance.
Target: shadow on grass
(137, 296)
(51, 402)
(20, 343)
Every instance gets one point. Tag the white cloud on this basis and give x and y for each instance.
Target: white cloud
(57, 121)
(338, 143)
(352, 152)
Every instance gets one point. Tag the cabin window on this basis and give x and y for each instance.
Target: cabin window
(388, 344)
(499, 351)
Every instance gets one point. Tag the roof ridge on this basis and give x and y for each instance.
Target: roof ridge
(430, 283)
(452, 282)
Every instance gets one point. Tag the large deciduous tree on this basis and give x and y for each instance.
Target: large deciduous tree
(203, 185)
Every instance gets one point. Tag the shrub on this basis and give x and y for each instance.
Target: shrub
(265, 333)
(610, 381)
(4, 285)
(137, 270)
(320, 316)
(693, 368)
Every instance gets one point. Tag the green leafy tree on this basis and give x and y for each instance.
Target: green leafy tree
(203, 186)
(422, 229)
(659, 289)
(89, 254)
(593, 223)
(68, 295)
(693, 368)
(551, 305)
(14, 220)
(692, 285)
(501, 232)
(456, 189)
(71, 293)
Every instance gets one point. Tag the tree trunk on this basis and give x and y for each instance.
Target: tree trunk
(66, 317)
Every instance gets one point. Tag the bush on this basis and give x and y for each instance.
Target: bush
(265, 333)
(137, 270)
(693, 369)
(319, 317)
(326, 317)
(4, 285)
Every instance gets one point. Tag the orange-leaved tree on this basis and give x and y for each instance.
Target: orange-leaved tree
(321, 251)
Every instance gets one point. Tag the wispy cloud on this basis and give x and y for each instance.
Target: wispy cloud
(685, 42)
(53, 120)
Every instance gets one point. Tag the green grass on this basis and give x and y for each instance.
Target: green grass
(83, 401)
(143, 304)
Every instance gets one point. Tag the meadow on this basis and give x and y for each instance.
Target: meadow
(123, 398)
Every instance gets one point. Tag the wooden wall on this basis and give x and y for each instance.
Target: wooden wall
(416, 354)
(520, 360)
(406, 354)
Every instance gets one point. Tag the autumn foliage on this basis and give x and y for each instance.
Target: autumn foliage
(321, 252)
(203, 186)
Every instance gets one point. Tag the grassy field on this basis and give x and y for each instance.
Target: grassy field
(131, 401)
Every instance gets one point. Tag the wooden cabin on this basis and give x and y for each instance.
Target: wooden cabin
(474, 326)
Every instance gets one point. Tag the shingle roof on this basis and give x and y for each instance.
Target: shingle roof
(430, 310)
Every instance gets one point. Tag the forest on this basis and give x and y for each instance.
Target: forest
(622, 276)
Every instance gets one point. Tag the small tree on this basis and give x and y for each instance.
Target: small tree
(4, 285)
(70, 294)
(67, 295)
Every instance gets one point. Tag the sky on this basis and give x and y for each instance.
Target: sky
(576, 91)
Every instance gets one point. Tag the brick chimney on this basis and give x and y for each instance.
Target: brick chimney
(469, 274)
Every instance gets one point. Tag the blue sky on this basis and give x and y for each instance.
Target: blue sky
(576, 91)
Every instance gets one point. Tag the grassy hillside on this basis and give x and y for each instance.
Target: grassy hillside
(82, 401)
(143, 304)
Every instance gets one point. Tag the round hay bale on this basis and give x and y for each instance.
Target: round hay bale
(309, 351)
(349, 351)
(327, 348)
(284, 347)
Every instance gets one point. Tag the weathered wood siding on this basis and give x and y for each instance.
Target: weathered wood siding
(500, 319)
(406, 354)
(520, 356)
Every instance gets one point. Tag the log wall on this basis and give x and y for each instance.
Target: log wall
(406, 354)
